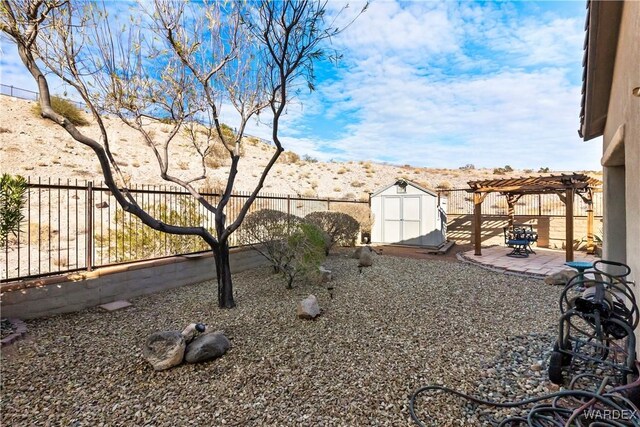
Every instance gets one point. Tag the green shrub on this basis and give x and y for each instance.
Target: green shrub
(12, 202)
(132, 240)
(293, 247)
(338, 227)
(65, 108)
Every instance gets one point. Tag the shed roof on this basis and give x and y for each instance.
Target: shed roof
(413, 184)
(535, 184)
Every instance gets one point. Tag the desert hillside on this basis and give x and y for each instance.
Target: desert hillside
(35, 147)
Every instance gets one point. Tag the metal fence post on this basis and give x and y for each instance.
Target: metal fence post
(89, 227)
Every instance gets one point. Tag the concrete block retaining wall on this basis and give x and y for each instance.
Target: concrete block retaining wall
(77, 291)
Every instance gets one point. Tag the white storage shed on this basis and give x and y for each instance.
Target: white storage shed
(407, 214)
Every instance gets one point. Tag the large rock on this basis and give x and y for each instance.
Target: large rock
(164, 349)
(561, 277)
(207, 347)
(366, 259)
(308, 308)
(360, 250)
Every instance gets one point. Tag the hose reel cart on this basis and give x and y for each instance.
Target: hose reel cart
(599, 314)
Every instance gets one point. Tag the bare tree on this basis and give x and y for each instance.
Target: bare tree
(180, 62)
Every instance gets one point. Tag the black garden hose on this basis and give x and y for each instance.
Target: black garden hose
(594, 405)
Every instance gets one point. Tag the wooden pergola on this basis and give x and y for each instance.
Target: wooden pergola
(564, 185)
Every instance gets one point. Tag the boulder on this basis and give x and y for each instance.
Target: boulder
(366, 259)
(164, 349)
(308, 308)
(207, 347)
(359, 251)
(561, 277)
(326, 275)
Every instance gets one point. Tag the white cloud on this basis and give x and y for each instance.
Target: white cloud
(439, 84)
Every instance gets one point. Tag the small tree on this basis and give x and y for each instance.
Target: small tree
(337, 226)
(179, 62)
(12, 202)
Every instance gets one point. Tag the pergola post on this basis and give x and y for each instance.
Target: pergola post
(588, 199)
(512, 199)
(477, 222)
(569, 224)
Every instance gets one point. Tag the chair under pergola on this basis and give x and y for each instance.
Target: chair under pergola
(565, 186)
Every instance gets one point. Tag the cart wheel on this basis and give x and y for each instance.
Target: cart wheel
(555, 367)
(566, 357)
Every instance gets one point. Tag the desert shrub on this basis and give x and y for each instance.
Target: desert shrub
(359, 211)
(341, 171)
(289, 157)
(444, 185)
(508, 168)
(216, 156)
(132, 240)
(65, 108)
(306, 250)
(357, 184)
(499, 171)
(310, 159)
(293, 247)
(12, 202)
(468, 167)
(543, 170)
(338, 226)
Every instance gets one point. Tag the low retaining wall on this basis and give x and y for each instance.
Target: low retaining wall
(550, 229)
(77, 291)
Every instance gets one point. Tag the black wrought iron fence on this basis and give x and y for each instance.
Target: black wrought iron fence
(460, 202)
(71, 226)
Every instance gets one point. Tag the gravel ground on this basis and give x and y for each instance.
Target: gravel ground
(402, 324)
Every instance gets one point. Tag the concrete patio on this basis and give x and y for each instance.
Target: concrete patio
(540, 264)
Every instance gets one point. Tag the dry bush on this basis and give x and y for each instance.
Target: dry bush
(65, 108)
(361, 213)
(217, 156)
(183, 165)
(357, 184)
(341, 171)
(338, 226)
(4, 130)
(62, 262)
(309, 193)
(444, 185)
(212, 185)
(289, 157)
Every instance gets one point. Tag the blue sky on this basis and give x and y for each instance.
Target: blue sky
(441, 84)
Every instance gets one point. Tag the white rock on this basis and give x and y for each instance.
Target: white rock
(308, 308)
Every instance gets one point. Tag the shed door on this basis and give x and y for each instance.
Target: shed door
(401, 219)
(392, 214)
(411, 220)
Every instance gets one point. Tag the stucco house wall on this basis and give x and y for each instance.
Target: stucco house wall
(612, 109)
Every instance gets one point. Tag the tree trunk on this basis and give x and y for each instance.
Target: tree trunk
(223, 273)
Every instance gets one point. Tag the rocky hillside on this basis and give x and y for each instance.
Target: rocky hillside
(32, 146)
